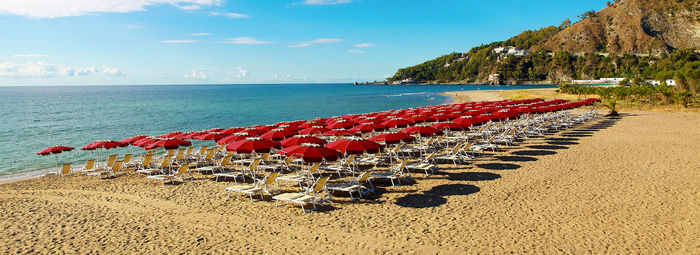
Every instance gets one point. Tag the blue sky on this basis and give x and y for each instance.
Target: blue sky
(113, 42)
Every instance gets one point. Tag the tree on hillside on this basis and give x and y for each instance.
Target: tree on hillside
(565, 24)
(588, 14)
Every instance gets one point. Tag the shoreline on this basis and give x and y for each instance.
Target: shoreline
(543, 186)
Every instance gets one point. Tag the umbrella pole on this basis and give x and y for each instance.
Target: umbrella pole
(56, 157)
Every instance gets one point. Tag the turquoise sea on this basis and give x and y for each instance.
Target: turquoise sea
(34, 118)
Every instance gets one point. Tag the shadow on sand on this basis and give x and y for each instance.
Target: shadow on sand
(436, 196)
(498, 166)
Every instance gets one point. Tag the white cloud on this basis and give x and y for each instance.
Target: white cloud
(245, 40)
(200, 34)
(29, 55)
(236, 15)
(42, 69)
(317, 41)
(300, 45)
(112, 71)
(180, 41)
(193, 7)
(66, 8)
(325, 2)
(356, 51)
(366, 45)
(327, 40)
(232, 15)
(199, 75)
(242, 72)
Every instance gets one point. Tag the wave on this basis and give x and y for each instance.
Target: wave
(407, 94)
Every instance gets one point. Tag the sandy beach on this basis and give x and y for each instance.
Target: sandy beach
(614, 185)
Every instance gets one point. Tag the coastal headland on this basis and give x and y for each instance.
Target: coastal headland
(614, 185)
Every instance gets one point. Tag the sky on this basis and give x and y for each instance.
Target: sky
(140, 42)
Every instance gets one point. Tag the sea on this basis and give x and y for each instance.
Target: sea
(35, 117)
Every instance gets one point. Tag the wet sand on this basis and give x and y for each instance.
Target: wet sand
(626, 185)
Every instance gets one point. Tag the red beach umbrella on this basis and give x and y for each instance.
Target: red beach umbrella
(313, 130)
(143, 142)
(192, 135)
(233, 138)
(132, 140)
(354, 146)
(392, 138)
(301, 139)
(210, 136)
(499, 116)
(168, 144)
(451, 126)
(421, 131)
(311, 153)
(253, 131)
(54, 150)
(231, 131)
(277, 134)
(253, 144)
(396, 123)
(339, 132)
(341, 125)
(467, 121)
(171, 135)
(368, 127)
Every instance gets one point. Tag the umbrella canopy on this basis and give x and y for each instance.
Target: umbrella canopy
(368, 127)
(106, 144)
(168, 144)
(313, 130)
(54, 150)
(421, 131)
(214, 136)
(233, 138)
(354, 146)
(231, 131)
(396, 123)
(311, 152)
(341, 124)
(192, 135)
(132, 140)
(278, 134)
(467, 121)
(171, 135)
(339, 132)
(143, 142)
(253, 131)
(392, 138)
(253, 144)
(301, 139)
(451, 126)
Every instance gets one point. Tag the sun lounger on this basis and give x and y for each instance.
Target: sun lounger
(354, 185)
(165, 164)
(171, 178)
(314, 195)
(259, 187)
(394, 173)
(235, 174)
